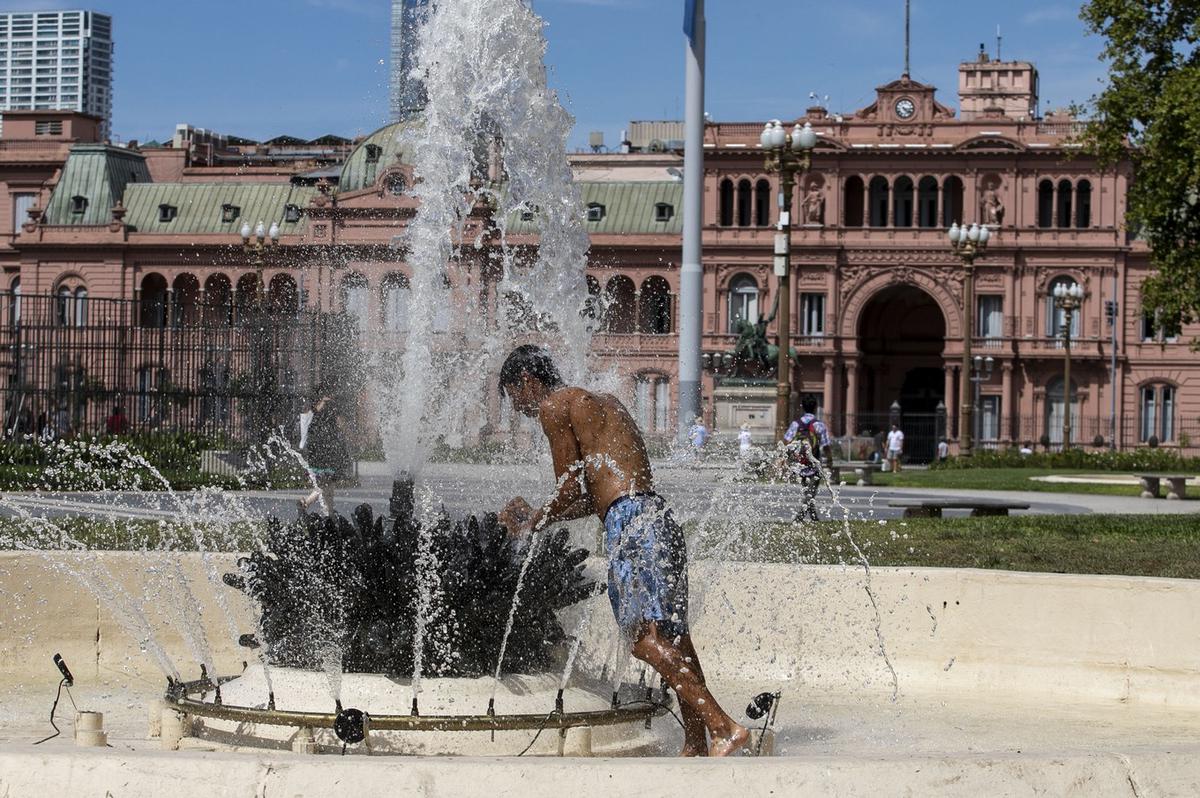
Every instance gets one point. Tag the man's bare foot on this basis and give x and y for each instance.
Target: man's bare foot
(736, 741)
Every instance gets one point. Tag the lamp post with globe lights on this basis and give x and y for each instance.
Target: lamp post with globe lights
(787, 154)
(968, 243)
(1068, 299)
(256, 244)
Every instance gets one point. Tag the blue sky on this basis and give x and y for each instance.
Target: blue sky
(259, 68)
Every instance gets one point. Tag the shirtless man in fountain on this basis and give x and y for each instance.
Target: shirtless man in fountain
(602, 468)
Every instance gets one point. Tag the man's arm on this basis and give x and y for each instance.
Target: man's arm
(570, 500)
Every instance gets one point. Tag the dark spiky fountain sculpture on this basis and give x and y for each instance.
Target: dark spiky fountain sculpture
(405, 616)
(354, 586)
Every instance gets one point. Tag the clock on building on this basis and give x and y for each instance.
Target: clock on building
(905, 108)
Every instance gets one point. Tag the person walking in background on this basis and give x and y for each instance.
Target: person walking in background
(745, 441)
(324, 448)
(698, 435)
(943, 451)
(895, 448)
(809, 446)
(118, 422)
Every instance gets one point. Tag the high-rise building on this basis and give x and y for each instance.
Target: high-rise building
(57, 60)
(408, 92)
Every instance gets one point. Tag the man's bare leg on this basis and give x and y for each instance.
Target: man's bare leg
(683, 673)
(695, 738)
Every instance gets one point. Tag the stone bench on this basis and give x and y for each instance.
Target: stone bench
(864, 472)
(1176, 485)
(932, 508)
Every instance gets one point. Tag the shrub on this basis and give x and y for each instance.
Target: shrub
(1133, 460)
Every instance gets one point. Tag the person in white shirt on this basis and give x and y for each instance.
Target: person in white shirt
(895, 449)
(745, 441)
(943, 451)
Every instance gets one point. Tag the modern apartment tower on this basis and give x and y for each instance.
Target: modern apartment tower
(57, 60)
(408, 92)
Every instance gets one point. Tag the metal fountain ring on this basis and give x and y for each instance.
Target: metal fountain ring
(188, 698)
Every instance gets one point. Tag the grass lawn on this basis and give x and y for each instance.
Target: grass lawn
(1134, 545)
(125, 535)
(1006, 479)
(1141, 545)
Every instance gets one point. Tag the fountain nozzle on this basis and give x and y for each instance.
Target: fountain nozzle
(416, 710)
(558, 703)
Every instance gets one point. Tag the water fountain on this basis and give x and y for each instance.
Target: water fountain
(354, 586)
(384, 633)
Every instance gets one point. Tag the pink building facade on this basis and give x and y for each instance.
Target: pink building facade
(877, 292)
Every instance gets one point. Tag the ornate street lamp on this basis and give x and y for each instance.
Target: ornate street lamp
(967, 243)
(256, 244)
(1068, 299)
(981, 371)
(788, 155)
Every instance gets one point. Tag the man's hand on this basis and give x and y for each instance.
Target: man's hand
(516, 516)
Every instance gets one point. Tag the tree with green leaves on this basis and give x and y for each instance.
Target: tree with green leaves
(1150, 113)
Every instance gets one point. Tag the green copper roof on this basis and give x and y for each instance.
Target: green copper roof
(99, 174)
(373, 156)
(199, 207)
(628, 208)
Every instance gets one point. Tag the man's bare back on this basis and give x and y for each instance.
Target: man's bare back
(597, 432)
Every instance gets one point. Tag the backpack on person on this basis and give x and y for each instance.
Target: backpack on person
(804, 444)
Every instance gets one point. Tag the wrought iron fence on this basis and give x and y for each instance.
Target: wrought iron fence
(73, 365)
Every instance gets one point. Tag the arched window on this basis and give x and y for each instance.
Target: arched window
(1083, 204)
(878, 201)
(246, 298)
(283, 297)
(952, 201)
(1045, 218)
(904, 203)
(854, 201)
(927, 202)
(395, 298)
(745, 204)
(1064, 203)
(218, 300)
(725, 209)
(1056, 409)
(1056, 318)
(355, 299)
(154, 301)
(621, 305)
(63, 306)
(185, 308)
(1157, 419)
(14, 302)
(81, 306)
(743, 301)
(655, 312)
(762, 204)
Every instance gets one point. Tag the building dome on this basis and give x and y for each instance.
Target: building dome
(375, 155)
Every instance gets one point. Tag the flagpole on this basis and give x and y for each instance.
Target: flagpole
(691, 284)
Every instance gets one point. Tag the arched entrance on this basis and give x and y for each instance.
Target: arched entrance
(901, 337)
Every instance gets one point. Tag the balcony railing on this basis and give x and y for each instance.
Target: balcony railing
(636, 342)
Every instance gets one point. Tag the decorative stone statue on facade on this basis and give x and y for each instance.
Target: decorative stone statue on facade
(993, 208)
(812, 209)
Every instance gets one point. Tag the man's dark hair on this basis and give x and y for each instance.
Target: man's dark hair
(532, 360)
(809, 404)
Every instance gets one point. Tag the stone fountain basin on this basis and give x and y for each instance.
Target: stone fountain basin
(377, 694)
(1009, 684)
